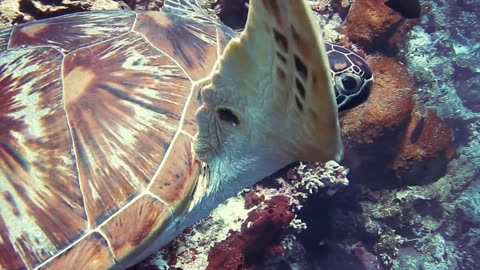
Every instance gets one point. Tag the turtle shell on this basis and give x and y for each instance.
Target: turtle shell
(96, 127)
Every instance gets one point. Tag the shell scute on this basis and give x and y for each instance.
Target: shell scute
(190, 43)
(38, 173)
(338, 61)
(340, 49)
(124, 101)
(72, 31)
(90, 253)
(134, 227)
(361, 66)
(177, 176)
(9, 258)
(4, 37)
(224, 34)
(189, 124)
(86, 120)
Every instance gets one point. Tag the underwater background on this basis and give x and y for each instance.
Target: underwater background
(408, 195)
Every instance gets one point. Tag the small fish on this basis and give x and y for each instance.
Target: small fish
(409, 9)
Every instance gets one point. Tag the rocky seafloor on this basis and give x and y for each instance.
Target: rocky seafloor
(412, 152)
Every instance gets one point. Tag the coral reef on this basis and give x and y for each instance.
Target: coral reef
(436, 54)
(263, 224)
(429, 224)
(424, 220)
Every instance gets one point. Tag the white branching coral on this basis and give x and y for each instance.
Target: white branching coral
(298, 225)
(313, 177)
(287, 242)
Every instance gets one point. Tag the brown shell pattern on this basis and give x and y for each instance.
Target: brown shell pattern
(95, 135)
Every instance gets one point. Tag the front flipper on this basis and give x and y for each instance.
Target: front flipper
(271, 97)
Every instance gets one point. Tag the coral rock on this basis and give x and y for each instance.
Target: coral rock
(425, 149)
(388, 108)
(373, 131)
(386, 139)
(374, 25)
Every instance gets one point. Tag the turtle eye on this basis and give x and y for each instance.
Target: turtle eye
(348, 83)
(227, 115)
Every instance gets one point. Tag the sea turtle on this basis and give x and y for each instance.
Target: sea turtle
(119, 129)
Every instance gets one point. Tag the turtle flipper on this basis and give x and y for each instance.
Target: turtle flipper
(273, 85)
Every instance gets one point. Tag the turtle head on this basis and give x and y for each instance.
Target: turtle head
(352, 77)
(270, 101)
